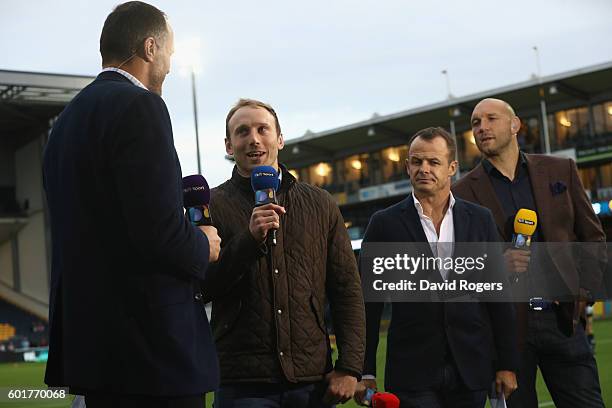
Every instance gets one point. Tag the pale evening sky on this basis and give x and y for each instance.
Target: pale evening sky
(321, 64)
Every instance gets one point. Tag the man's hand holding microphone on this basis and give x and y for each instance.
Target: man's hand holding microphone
(196, 199)
(265, 218)
(364, 391)
(214, 241)
(367, 395)
(517, 258)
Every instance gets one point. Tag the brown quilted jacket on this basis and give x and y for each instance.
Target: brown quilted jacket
(269, 302)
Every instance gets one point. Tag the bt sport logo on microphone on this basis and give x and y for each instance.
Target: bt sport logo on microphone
(188, 190)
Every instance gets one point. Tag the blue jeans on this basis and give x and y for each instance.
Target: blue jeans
(264, 395)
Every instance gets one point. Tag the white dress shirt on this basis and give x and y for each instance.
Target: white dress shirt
(126, 74)
(442, 245)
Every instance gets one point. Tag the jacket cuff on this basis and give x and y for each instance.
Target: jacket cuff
(248, 244)
(353, 373)
(507, 362)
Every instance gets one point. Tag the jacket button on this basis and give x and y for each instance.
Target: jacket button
(198, 296)
(276, 271)
(280, 354)
(280, 311)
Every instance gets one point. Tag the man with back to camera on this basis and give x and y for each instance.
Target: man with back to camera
(127, 323)
(439, 354)
(269, 300)
(550, 336)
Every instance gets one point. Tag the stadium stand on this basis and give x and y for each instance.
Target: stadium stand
(18, 327)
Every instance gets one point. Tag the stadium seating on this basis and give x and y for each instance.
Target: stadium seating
(18, 323)
(6, 331)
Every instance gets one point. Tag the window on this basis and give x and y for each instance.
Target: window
(602, 114)
(320, 174)
(529, 135)
(394, 163)
(469, 155)
(598, 181)
(569, 126)
(588, 176)
(303, 174)
(605, 175)
(356, 169)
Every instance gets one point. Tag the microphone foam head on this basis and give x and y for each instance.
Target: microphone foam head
(525, 222)
(195, 191)
(385, 400)
(264, 178)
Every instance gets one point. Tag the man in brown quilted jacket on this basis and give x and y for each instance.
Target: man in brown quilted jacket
(269, 301)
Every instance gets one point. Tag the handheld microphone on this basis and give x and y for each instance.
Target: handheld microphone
(367, 399)
(385, 400)
(525, 223)
(196, 198)
(264, 180)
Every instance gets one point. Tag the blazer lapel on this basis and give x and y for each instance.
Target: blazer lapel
(541, 191)
(412, 222)
(461, 222)
(461, 225)
(485, 195)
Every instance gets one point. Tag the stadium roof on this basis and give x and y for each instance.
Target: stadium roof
(388, 130)
(29, 100)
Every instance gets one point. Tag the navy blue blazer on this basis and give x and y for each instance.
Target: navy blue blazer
(125, 311)
(480, 337)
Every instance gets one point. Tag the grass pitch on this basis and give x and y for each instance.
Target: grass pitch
(30, 375)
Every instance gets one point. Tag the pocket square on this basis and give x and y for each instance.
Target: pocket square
(557, 188)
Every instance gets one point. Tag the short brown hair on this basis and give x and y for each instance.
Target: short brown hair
(126, 28)
(253, 103)
(431, 133)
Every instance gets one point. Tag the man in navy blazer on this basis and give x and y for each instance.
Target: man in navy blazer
(127, 323)
(439, 354)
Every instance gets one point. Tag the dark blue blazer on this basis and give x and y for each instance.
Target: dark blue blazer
(480, 337)
(125, 313)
